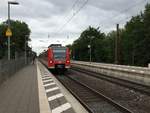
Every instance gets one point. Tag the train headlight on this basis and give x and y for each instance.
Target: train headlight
(68, 61)
(50, 62)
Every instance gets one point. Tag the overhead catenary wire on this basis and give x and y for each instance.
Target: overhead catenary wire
(72, 8)
(74, 14)
(66, 16)
(114, 16)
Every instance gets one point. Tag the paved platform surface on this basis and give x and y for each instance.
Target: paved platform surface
(60, 100)
(19, 94)
(34, 89)
(57, 101)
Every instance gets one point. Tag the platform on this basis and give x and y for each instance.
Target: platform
(35, 90)
(19, 94)
(59, 98)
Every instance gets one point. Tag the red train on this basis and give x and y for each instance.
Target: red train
(56, 57)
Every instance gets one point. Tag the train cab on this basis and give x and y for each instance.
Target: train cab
(58, 57)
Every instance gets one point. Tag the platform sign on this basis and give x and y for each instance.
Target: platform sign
(8, 32)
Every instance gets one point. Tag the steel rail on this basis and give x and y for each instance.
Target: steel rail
(109, 100)
(125, 83)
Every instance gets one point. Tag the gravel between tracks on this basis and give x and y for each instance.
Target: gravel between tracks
(94, 102)
(135, 101)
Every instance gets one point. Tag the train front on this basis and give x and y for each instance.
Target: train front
(58, 58)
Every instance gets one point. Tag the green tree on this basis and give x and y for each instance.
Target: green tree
(132, 40)
(109, 46)
(20, 31)
(136, 39)
(135, 42)
(91, 36)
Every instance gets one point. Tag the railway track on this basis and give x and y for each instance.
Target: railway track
(92, 100)
(134, 100)
(128, 84)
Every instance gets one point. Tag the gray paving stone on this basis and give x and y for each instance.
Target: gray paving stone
(57, 102)
(70, 110)
(19, 94)
(49, 94)
(46, 78)
(54, 104)
(62, 100)
(52, 86)
(47, 82)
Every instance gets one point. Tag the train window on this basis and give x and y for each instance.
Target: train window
(60, 50)
(59, 53)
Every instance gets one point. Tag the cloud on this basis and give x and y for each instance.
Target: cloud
(47, 17)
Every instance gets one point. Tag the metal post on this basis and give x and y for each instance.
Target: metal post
(90, 51)
(13, 3)
(8, 27)
(117, 47)
(92, 37)
(25, 51)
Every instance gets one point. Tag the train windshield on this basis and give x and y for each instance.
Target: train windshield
(59, 53)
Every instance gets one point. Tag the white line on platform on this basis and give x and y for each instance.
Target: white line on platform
(50, 80)
(52, 89)
(141, 71)
(46, 74)
(61, 108)
(133, 70)
(49, 84)
(55, 97)
(46, 78)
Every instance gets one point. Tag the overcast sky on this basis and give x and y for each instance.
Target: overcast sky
(47, 18)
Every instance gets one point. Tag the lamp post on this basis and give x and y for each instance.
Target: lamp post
(10, 3)
(89, 46)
